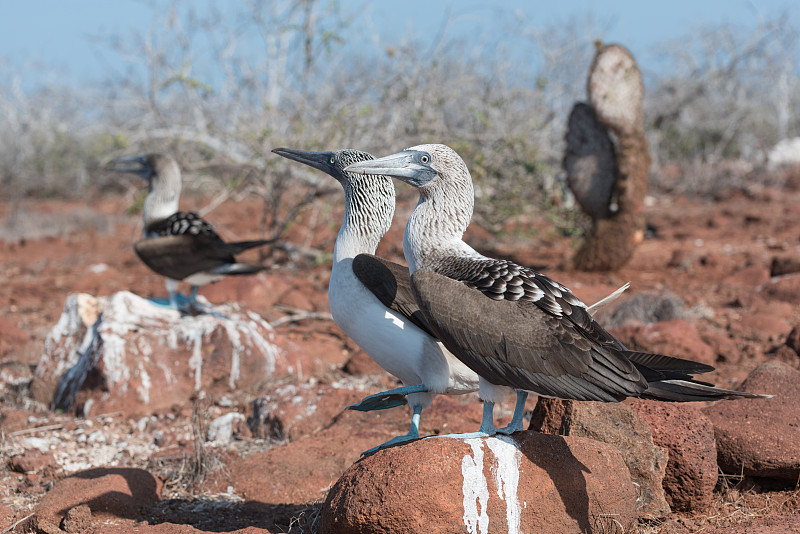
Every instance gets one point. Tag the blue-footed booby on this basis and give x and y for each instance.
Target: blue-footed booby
(370, 298)
(181, 246)
(513, 326)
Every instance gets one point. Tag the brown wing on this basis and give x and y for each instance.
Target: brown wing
(518, 344)
(179, 256)
(391, 283)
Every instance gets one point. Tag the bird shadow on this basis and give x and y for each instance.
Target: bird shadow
(553, 455)
(224, 514)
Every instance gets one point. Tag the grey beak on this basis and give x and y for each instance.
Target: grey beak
(318, 160)
(405, 166)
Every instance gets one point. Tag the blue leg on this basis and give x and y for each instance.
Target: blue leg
(487, 425)
(413, 434)
(519, 410)
(387, 399)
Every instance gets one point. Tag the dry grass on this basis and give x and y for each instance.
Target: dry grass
(737, 499)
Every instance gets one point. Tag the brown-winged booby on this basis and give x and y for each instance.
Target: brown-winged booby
(513, 326)
(181, 246)
(371, 300)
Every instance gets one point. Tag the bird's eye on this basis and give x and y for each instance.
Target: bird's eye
(425, 159)
(333, 160)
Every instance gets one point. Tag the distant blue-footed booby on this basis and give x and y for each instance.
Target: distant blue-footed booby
(513, 326)
(181, 246)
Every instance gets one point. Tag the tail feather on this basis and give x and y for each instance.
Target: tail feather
(687, 391)
(238, 268)
(607, 300)
(666, 364)
(240, 246)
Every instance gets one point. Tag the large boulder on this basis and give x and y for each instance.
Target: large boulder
(123, 353)
(688, 435)
(619, 426)
(528, 482)
(761, 437)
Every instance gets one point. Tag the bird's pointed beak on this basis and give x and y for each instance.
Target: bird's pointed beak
(318, 160)
(405, 166)
(130, 164)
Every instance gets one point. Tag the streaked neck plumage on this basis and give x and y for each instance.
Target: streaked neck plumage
(163, 195)
(434, 230)
(368, 211)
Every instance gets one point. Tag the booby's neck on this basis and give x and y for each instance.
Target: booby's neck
(161, 202)
(437, 224)
(368, 212)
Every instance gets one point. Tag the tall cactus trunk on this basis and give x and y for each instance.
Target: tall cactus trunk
(609, 180)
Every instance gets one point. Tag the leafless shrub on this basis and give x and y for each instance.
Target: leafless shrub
(729, 94)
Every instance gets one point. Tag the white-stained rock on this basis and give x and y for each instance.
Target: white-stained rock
(123, 353)
(528, 482)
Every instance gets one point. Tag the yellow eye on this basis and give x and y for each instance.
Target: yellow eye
(425, 159)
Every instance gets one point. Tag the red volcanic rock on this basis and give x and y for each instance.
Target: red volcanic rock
(122, 353)
(359, 364)
(31, 461)
(688, 435)
(761, 437)
(785, 288)
(103, 493)
(748, 277)
(675, 337)
(528, 482)
(619, 426)
(7, 518)
(293, 411)
(793, 340)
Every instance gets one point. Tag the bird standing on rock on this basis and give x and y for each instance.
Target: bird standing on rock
(181, 246)
(513, 326)
(370, 298)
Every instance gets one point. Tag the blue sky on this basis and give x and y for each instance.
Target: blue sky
(56, 34)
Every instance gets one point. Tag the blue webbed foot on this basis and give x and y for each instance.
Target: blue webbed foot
(394, 442)
(162, 303)
(516, 420)
(487, 428)
(387, 399)
(412, 435)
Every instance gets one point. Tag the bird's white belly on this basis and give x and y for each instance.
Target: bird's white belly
(202, 278)
(393, 341)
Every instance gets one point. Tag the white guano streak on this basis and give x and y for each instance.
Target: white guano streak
(475, 487)
(506, 477)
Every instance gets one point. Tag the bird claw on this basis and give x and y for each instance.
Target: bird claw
(466, 435)
(510, 428)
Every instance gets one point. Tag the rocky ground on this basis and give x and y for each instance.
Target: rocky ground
(259, 447)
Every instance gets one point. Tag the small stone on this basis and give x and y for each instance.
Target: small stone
(78, 519)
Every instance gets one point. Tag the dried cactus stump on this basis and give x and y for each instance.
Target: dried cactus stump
(607, 161)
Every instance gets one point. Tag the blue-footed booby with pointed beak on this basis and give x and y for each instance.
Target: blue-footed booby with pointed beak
(181, 246)
(371, 300)
(513, 326)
